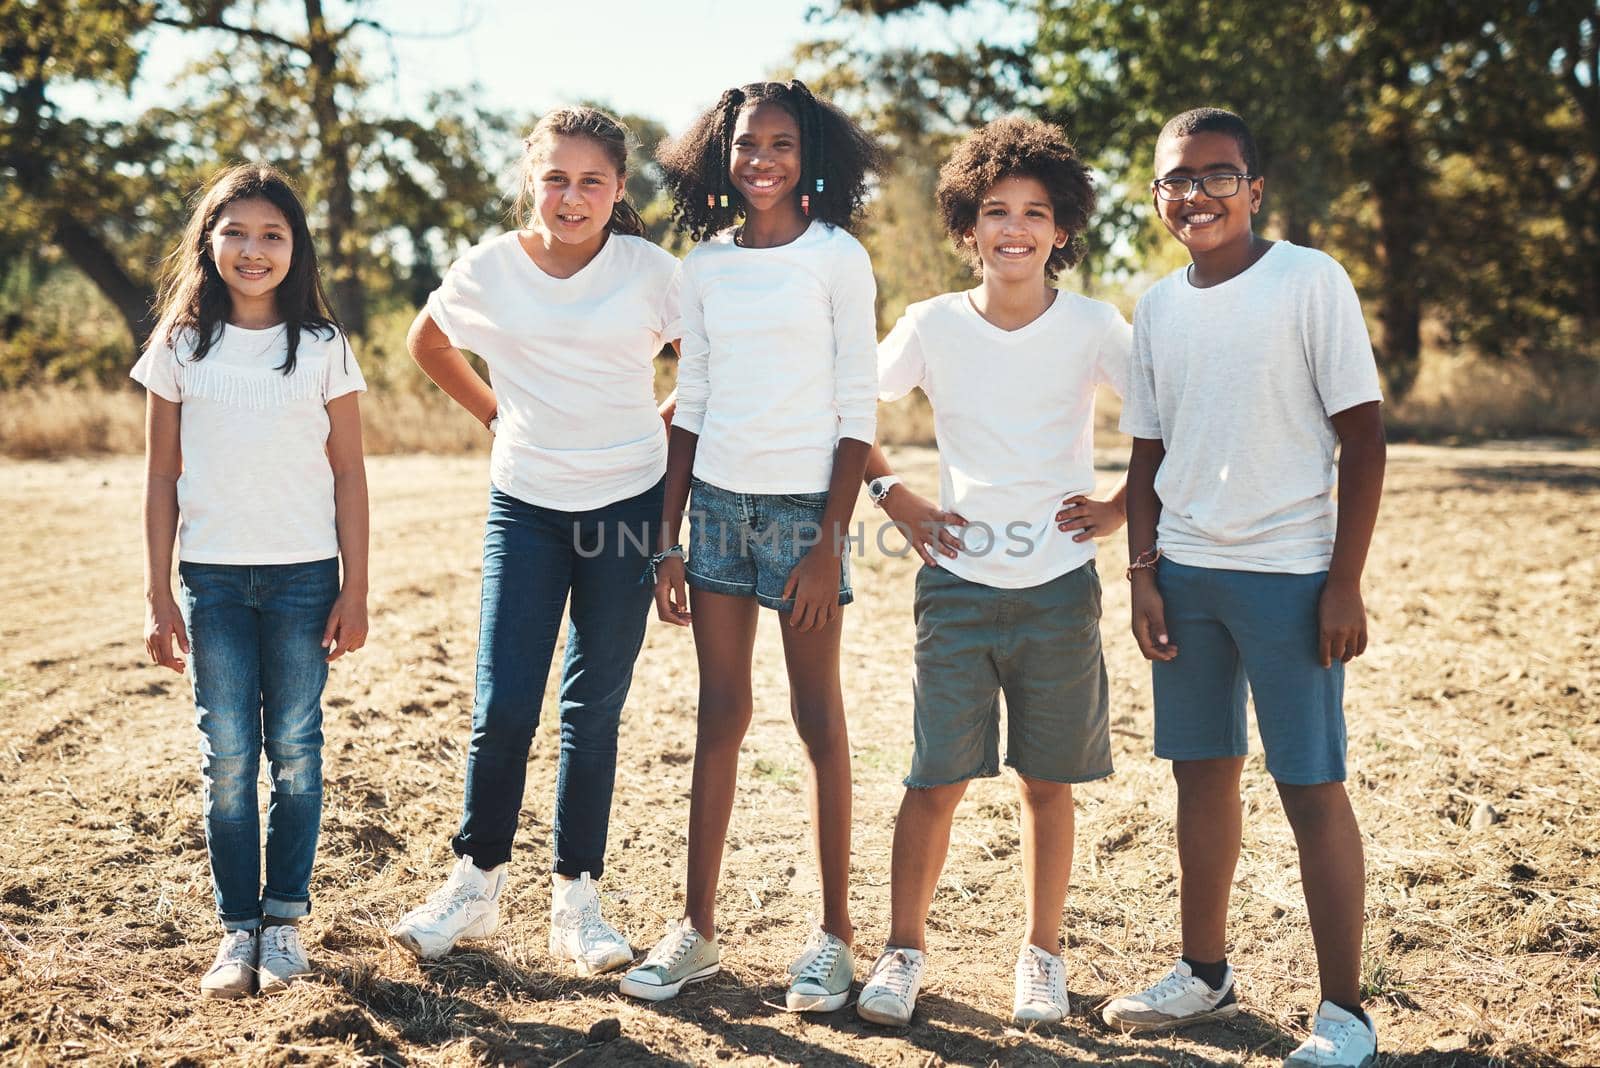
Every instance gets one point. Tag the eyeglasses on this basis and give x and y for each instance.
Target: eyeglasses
(1220, 186)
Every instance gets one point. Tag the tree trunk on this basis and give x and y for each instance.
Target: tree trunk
(134, 301)
(348, 298)
(1397, 186)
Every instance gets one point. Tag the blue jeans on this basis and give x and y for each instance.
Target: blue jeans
(533, 558)
(256, 662)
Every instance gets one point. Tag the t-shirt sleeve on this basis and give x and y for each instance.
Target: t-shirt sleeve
(901, 367)
(853, 296)
(694, 357)
(341, 374)
(1113, 357)
(1140, 416)
(1337, 344)
(459, 302)
(157, 370)
(671, 313)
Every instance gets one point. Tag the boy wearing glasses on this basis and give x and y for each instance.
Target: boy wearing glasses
(1249, 365)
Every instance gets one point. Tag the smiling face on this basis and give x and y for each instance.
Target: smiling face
(1015, 230)
(1204, 223)
(765, 163)
(252, 247)
(573, 186)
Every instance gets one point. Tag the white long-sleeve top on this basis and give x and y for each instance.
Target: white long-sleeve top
(779, 358)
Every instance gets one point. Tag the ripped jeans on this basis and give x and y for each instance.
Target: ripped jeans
(256, 662)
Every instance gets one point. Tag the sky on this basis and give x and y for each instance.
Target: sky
(663, 59)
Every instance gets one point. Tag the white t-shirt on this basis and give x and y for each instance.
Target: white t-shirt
(779, 358)
(1013, 413)
(256, 486)
(571, 364)
(1238, 381)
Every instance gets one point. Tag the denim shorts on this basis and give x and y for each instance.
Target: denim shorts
(1246, 629)
(1040, 647)
(745, 544)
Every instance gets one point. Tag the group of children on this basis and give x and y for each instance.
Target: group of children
(1240, 375)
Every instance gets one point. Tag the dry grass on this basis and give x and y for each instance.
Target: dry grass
(1479, 691)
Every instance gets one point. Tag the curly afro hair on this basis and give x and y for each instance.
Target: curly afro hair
(1017, 147)
(836, 159)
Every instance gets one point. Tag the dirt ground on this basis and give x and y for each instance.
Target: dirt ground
(1474, 725)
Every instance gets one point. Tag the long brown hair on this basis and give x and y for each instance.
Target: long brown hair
(603, 130)
(194, 297)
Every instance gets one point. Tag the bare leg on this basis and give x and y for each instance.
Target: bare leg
(1047, 833)
(724, 641)
(816, 703)
(1333, 872)
(1210, 823)
(921, 840)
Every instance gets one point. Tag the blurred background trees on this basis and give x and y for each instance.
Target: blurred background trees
(1448, 154)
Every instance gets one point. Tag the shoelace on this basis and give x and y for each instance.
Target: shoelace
(445, 900)
(235, 949)
(1041, 985)
(1330, 1036)
(588, 923)
(895, 971)
(280, 938)
(817, 959)
(1170, 986)
(668, 956)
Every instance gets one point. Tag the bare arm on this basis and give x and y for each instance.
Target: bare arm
(346, 629)
(1144, 512)
(1363, 453)
(672, 589)
(814, 582)
(448, 368)
(163, 463)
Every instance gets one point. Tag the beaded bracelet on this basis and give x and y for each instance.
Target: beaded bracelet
(1145, 561)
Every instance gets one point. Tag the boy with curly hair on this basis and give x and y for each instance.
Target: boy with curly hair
(1008, 601)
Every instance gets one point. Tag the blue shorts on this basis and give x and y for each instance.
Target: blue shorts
(745, 544)
(1239, 628)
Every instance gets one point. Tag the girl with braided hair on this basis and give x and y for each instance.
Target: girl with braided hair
(568, 311)
(777, 404)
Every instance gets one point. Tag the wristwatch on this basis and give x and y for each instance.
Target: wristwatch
(879, 488)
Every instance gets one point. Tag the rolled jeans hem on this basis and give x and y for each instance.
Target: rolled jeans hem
(279, 909)
(245, 923)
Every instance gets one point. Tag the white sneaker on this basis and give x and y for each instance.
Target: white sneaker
(282, 959)
(466, 906)
(1339, 1040)
(1041, 987)
(233, 973)
(577, 931)
(1181, 998)
(890, 994)
(822, 974)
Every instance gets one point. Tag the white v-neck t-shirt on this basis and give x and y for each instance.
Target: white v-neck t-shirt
(571, 362)
(1013, 415)
(256, 486)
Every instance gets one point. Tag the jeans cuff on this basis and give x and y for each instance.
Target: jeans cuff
(574, 868)
(250, 924)
(280, 909)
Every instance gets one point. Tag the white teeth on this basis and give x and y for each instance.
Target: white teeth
(1202, 217)
(1015, 250)
(763, 183)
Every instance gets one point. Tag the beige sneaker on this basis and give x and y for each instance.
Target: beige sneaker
(233, 973)
(282, 959)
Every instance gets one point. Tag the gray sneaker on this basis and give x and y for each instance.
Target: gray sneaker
(283, 960)
(233, 973)
(822, 975)
(684, 956)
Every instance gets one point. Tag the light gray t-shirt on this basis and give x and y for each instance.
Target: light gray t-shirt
(1239, 381)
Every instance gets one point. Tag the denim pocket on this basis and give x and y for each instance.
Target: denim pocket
(807, 500)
